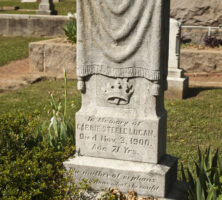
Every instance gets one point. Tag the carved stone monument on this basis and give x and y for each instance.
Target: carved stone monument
(177, 83)
(46, 7)
(122, 58)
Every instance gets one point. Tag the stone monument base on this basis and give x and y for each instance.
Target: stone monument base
(178, 84)
(177, 87)
(145, 178)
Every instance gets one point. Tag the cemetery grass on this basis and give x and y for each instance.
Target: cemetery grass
(62, 7)
(193, 122)
(37, 98)
(15, 48)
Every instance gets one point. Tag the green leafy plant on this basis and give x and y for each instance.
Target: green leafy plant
(60, 130)
(207, 183)
(70, 31)
(29, 168)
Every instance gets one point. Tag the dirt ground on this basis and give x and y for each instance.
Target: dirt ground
(17, 74)
(13, 75)
(205, 80)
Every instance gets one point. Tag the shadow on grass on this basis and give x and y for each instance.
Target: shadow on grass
(193, 92)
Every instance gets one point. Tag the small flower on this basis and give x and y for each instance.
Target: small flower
(182, 141)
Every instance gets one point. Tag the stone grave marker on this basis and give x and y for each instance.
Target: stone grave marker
(177, 82)
(122, 59)
(46, 7)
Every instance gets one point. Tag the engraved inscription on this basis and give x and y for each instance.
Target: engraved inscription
(115, 138)
(113, 129)
(120, 180)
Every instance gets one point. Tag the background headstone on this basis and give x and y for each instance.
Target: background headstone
(46, 7)
(122, 58)
(177, 82)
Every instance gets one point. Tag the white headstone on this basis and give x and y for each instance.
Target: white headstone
(177, 82)
(174, 44)
(122, 57)
(46, 7)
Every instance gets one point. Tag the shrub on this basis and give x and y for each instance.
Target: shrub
(29, 167)
(207, 184)
(70, 31)
(212, 41)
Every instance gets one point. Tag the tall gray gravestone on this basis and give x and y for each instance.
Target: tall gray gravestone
(178, 84)
(122, 58)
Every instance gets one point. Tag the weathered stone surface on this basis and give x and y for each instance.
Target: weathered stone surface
(198, 12)
(119, 42)
(177, 82)
(32, 25)
(146, 179)
(120, 76)
(122, 54)
(201, 61)
(121, 131)
(52, 56)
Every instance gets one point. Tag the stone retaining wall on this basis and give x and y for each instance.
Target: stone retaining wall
(201, 61)
(32, 25)
(50, 57)
(197, 34)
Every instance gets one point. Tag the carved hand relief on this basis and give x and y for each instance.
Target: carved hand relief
(119, 38)
(118, 92)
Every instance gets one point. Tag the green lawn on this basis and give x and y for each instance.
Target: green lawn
(193, 122)
(14, 48)
(37, 97)
(62, 7)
